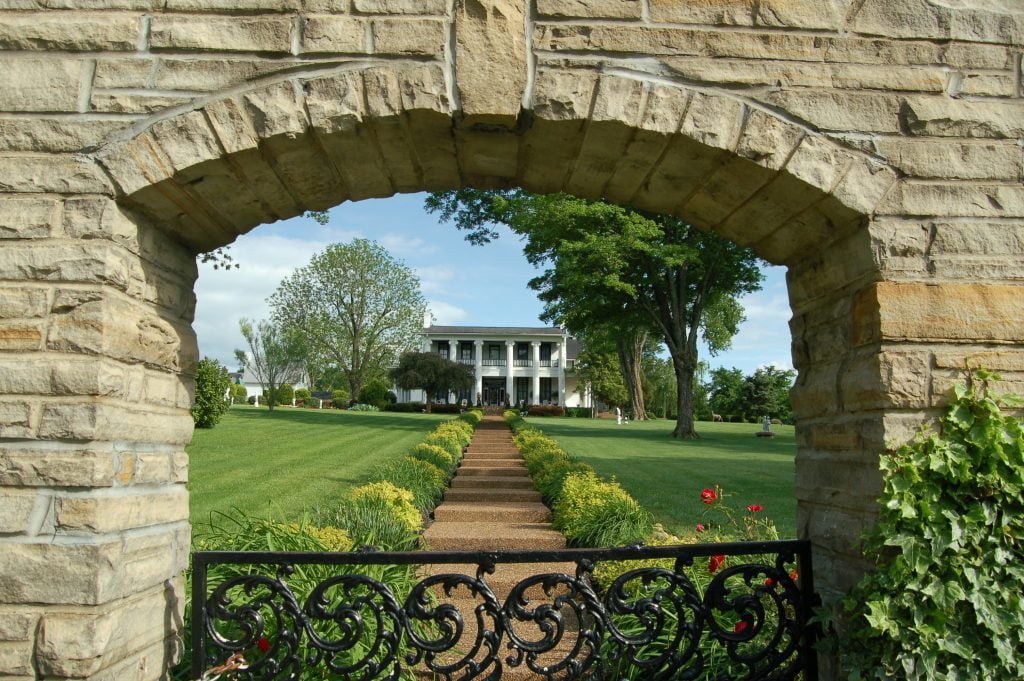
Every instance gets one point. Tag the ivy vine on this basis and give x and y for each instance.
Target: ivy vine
(945, 600)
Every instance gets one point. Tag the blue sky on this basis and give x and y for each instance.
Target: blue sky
(464, 284)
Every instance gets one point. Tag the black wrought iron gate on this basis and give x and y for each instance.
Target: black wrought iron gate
(715, 611)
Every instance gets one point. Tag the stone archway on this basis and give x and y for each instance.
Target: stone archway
(872, 148)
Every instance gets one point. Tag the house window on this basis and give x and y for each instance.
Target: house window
(546, 391)
(442, 350)
(467, 351)
(493, 352)
(545, 352)
(522, 351)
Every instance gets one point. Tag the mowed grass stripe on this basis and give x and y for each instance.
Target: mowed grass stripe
(282, 464)
(666, 475)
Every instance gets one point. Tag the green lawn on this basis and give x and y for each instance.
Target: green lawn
(282, 463)
(666, 475)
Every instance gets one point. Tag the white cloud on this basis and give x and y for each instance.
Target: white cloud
(435, 278)
(402, 246)
(446, 314)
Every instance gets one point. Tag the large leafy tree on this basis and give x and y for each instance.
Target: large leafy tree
(598, 366)
(430, 372)
(274, 356)
(766, 393)
(355, 305)
(610, 266)
(726, 392)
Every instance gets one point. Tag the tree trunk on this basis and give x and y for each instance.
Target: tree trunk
(630, 351)
(684, 381)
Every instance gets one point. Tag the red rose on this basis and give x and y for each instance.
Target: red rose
(740, 626)
(768, 582)
(700, 527)
(754, 508)
(263, 644)
(715, 562)
(708, 495)
(793, 575)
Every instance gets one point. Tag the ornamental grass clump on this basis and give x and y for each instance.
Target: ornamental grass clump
(473, 417)
(382, 515)
(945, 600)
(435, 456)
(460, 430)
(450, 442)
(425, 480)
(594, 513)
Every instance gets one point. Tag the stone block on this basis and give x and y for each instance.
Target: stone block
(902, 311)
(17, 335)
(91, 572)
(221, 34)
(57, 134)
(58, 467)
(66, 260)
(819, 162)
(767, 140)
(85, 643)
(707, 12)
(17, 624)
(104, 512)
(839, 480)
(840, 110)
(953, 159)
(123, 72)
(946, 117)
(16, 418)
(232, 6)
(334, 34)
(713, 120)
(590, 9)
(888, 380)
(23, 303)
(926, 19)
(986, 85)
(55, 173)
(491, 64)
(112, 422)
(16, 660)
(409, 36)
(979, 238)
(77, 32)
(16, 507)
(39, 84)
(954, 200)
(208, 75)
(121, 103)
(435, 7)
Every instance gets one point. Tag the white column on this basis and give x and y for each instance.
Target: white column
(509, 352)
(453, 356)
(478, 370)
(535, 356)
(561, 372)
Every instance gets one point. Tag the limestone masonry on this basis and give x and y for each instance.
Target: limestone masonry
(872, 146)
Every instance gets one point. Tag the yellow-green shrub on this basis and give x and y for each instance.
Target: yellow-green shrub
(381, 514)
(450, 442)
(424, 479)
(435, 455)
(457, 429)
(595, 513)
(551, 475)
(472, 417)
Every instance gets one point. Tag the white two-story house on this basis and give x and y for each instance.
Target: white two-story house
(511, 365)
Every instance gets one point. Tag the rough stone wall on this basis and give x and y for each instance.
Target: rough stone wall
(872, 146)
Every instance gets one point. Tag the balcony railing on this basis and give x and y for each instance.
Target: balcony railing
(293, 615)
(493, 362)
(466, 361)
(522, 363)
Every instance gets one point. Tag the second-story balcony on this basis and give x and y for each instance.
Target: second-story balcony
(522, 363)
(467, 361)
(492, 362)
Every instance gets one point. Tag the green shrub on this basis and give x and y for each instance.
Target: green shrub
(303, 394)
(359, 406)
(426, 481)
(377, 393)
(945, 596)
(473, 417)
(212, 384)
(382, 515)
(339, 398)
(239, 393)
(406, 407)
(311, 403)
(450, 442)
(251, 399)
(435, 455)
(285, 394)
(550, 478)
(594, 513)
(460, 430)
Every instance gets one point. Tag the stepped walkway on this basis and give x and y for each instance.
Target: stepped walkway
(492, 506)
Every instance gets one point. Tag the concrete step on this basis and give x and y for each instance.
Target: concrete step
(507, 511)
(489, 536)
(490, 495)
(499, 482)
(491, 453)
(506, 575)
(483, 461)
(472, 468)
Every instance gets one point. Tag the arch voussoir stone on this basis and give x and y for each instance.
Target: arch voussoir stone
(875, 150)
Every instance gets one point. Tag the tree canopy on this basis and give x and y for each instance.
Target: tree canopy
(355, 306)
(612, 268)
(274, 356)
(432, 373)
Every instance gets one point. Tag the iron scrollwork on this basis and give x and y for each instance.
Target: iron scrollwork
(650, 623)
